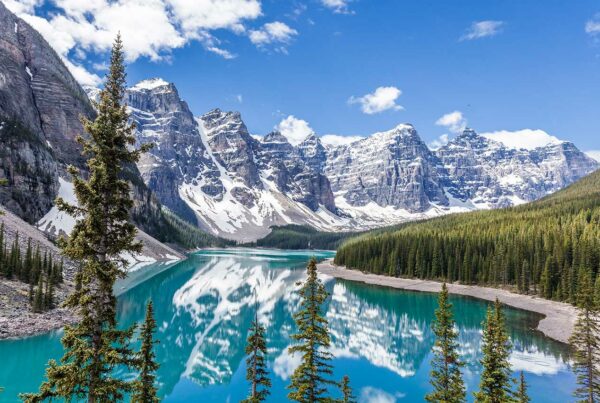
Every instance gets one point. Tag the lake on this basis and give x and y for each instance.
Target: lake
(381, 337)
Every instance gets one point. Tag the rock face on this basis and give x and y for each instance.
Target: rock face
(40, 105)
(393, 168)
(179, 154)
(491, 175)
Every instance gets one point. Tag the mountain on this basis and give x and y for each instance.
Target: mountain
(491, 175)
(213, 173)
(393, 168)
(535, 248)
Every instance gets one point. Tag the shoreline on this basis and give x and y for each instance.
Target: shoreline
(559, 317)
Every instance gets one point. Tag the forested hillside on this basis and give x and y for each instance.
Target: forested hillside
(537, 248)
(301, 237)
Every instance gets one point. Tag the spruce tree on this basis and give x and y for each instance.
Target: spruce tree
(38, 299)
(496, 376)
(94, 347)
(144, 388)
(446, 378)
(309, 381)
(256, 372)
(585, 342)
(347, 394)
(522, 396)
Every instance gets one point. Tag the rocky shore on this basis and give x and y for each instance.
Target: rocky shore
(559, 318)
(16, 318)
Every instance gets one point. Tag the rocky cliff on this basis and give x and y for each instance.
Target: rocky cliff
(40, 109)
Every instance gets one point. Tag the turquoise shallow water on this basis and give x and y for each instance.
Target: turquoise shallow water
(381, 337)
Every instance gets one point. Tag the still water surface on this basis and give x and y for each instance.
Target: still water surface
(382, 337)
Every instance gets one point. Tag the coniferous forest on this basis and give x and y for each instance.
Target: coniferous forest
(38, 269)
(539, 248)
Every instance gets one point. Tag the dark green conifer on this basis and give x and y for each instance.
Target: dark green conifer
(38, 299)
(347, 394)
(256, 366)
(309, 382)
(446, 378)
(585, 342)
(144, 390)
(495, 384)
(522, 396)
(94, 347)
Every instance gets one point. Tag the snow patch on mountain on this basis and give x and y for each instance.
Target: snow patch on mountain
(58, 222)
(594, 154)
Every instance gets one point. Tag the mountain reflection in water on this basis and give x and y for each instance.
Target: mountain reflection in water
(381, 337)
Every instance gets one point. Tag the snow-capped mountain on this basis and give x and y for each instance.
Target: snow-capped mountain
(492, 175)
(212, 172)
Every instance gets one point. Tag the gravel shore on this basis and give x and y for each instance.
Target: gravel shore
(16, 318)
(559, 317)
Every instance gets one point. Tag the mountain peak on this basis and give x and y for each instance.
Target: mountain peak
(275, 137)
(151, 84)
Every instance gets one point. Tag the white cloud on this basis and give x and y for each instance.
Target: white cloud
(202, 15)
(22, 6)
(338, 6)
(439, 142)
(294, 129)
(369, 394)
(526, 138)
(594, 154)
(224, 53)
(482, 29)
(382, 99)
(272, 32)
(337, 140)
(592, 27)
(150, 28)
(455, 122)
(239, 98)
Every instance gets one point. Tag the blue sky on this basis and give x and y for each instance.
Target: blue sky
(504, 65)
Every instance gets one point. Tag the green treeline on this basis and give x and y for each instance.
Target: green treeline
(536, 248)
(294, 236)
(33, 267)
(184, 234)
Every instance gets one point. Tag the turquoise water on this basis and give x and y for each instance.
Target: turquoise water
(381, 337)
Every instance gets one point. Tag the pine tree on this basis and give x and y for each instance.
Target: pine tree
(496, 376)
(49, 294)
(256, 372)
(522, 396)
(2, 256)
(445, 376)
(38, 299)
(94, 347)
(585, 342)
(144, 388)
(309, 381)
(347, 394)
